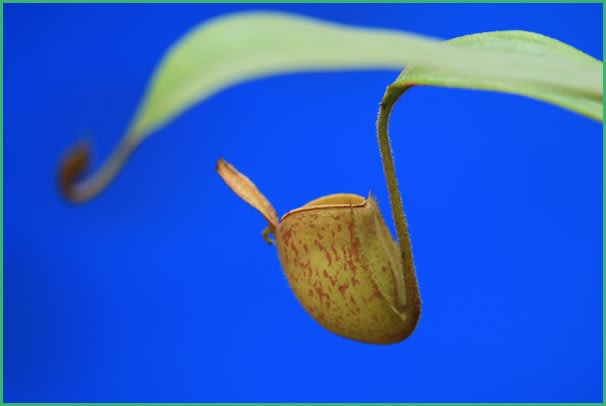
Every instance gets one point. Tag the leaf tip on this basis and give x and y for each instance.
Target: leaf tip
(72, 167)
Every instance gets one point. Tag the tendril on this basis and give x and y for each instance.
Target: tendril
(75, 185)
(413, 302)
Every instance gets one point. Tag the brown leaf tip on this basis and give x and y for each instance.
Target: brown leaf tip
(73, 166)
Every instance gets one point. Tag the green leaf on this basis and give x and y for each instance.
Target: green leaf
(245, 46)
(522, 42)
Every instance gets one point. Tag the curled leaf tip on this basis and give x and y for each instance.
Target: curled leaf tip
(72, 167)
(77, 188)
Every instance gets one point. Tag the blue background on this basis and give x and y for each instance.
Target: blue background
(162, 289)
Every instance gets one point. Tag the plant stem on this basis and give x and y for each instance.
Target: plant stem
(413, 303)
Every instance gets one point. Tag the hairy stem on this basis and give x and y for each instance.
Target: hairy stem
(412, 308)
